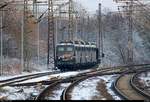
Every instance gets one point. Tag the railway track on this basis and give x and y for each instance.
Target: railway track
(67, 92)
(72, 80)
(24, 78)
(46, 92)
(27, 77)
(13, 81)
(135, 86)
(76, 79)
(126, 89)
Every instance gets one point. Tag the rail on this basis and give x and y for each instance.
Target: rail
(132, 85)
(136, 88)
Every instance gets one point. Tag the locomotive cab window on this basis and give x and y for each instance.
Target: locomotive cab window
(69, 49)
(60, 49)
(65, 48)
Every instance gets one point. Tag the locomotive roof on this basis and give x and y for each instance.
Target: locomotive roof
(78, 43)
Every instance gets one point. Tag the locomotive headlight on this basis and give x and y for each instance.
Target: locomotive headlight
(66, 57)
(72, 57)
(60, 57)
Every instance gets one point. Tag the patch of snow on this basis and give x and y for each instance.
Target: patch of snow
(66, 74)
(23, 74)
(109, 80)
(49, 77)
(145, 78)
(36, 79)
(20, 93)
(87, 89)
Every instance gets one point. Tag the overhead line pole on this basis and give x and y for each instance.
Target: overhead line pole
(23, 33)
(88, 25)
(130, 33)
(36, 12)
(51, 36)
(1, 68)
(100, 33)
(70, 28)
(38, 34)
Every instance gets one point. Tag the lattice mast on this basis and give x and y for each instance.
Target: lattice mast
(100, 36)
(70, 26)
(51, 36)
(36, 12)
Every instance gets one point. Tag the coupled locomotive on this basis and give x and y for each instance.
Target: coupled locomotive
(74, 55)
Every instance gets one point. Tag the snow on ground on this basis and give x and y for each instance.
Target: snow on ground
(145, 78)
(13, 94)
(23, 74)
(109, 81)
(20, 93)
(58, 92)
(35, 70)
(66, 74)
(86, 90)
(49, 77)
(58, 76)
(43, 78)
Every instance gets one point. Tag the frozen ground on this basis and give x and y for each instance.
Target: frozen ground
(86, 90)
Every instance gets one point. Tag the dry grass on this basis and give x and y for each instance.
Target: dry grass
(101, 88)
(51, 92)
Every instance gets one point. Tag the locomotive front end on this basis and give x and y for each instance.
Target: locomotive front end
(65, 56)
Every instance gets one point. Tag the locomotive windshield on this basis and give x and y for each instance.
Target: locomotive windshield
(61, 49)
(69, 49)
(65, 48)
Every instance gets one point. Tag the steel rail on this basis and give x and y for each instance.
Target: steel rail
(131, 87)
(136, 88)
(85, 75)
(65, 93)
(43, 94)
(26, 77)
(23, 78)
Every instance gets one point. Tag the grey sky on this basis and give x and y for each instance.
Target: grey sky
(92, 5)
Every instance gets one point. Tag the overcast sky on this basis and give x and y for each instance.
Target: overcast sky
(92, 5)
